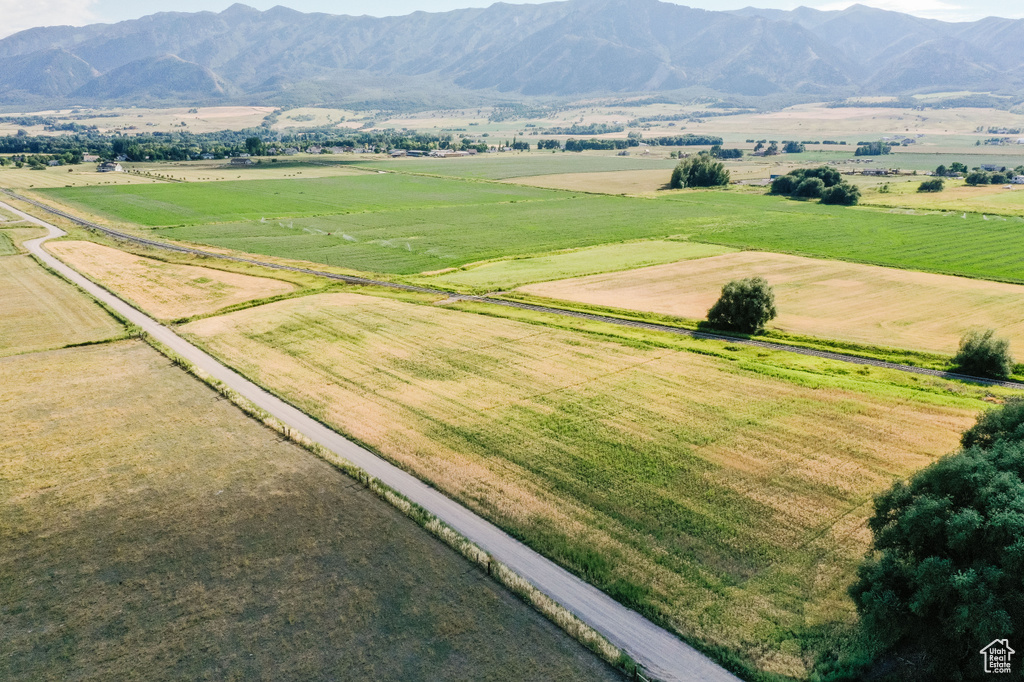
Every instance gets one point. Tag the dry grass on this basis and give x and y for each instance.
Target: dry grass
(220, 170)
(137, 120)
(956, 197)
(154, 532)
(729, 502)
(41, 311)
(84, 175)
(19, 235)
(167, 290)
(614, 182)
(827, 299)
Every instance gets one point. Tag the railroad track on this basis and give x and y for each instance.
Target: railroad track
(637, 324)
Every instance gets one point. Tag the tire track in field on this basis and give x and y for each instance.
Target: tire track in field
(593, 317)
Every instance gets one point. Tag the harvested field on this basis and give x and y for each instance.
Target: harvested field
(168, 291)
(41, 311)
(512, 273)
(609, 182)
(155, 532)
(827, 299)
(726, 497)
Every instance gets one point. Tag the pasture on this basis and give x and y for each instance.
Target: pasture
(16, 236)
(723, 491)
(220, 170)
(84, 175)
(368, 223)
(200, 203)
(149, 120)
(168, 291)
(508, 165)
(41, 311)
(827, 299)
(155, 532)
(508, 274)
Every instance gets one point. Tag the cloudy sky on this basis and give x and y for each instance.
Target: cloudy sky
(21, 14)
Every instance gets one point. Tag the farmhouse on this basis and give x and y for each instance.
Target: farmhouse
(109, 167)
(874, 171)
(53, 162)
(241, 162)
(315, 150)
(992, 167)
(291, 151)
(206, 157)
(396, 153)
(90, 158)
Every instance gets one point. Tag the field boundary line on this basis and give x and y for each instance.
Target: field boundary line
(578, 606)
(593, 317)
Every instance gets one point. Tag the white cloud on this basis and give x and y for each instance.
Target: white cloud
(17, 15)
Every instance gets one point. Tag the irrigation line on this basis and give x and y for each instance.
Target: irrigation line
(636, 324)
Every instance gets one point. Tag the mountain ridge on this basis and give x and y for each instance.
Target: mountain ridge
(561, 49)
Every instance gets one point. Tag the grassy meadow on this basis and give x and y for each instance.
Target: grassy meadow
(168, 291)
(720, 489)
(862, 304)
(154, 532)
(507, 274)
(40, 311)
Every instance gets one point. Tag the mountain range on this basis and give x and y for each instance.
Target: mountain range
(568, 49)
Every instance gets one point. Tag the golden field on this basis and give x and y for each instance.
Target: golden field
(168, 291)
(41, 311)
(155, 532)
(822, 298)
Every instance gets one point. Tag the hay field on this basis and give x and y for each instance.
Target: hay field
(40, 311)
(827, 299)
(957, 196)
(725, 495)
(269, 169)
(508, 274)
(84, 175)
(168, 291)
(155, 532)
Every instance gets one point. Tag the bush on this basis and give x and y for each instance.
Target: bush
(935, 185)
(699, 171)
(843, 194)
(746, 305)
(998, 179)
(809, 188)
(983, 355)
(944, 576)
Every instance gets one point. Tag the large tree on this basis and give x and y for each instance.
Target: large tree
(745, 305)
(945, 575)
(699, 171)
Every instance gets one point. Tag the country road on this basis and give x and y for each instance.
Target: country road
(663, 655)
(637, 324)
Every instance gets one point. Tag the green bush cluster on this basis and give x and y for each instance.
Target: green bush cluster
(822, 183)
(746, 306)
(699, 171)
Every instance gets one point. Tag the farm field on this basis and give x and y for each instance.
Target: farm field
(7, 247)
(304, 167)
(731, 506)
(41, 311)
(507, 274)
(826, 299)
(526, 164)
(155, 532)
(203, 120)
(460, 222)
(84, 175)
(200, 203)
(167, 291)
(956, 196)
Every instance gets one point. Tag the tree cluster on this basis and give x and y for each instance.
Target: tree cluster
(872, 149)
(982, 354)
(935, 185)
(719, 153)
(699, 171)
(746, 305)
(823, 183)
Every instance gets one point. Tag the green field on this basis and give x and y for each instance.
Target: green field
(516, 165)
(508, 274)
(198, 203)
(368, 223)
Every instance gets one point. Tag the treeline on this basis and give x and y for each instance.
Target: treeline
(872, 149)
(686, 140)
(589, 129)
(574, 145)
